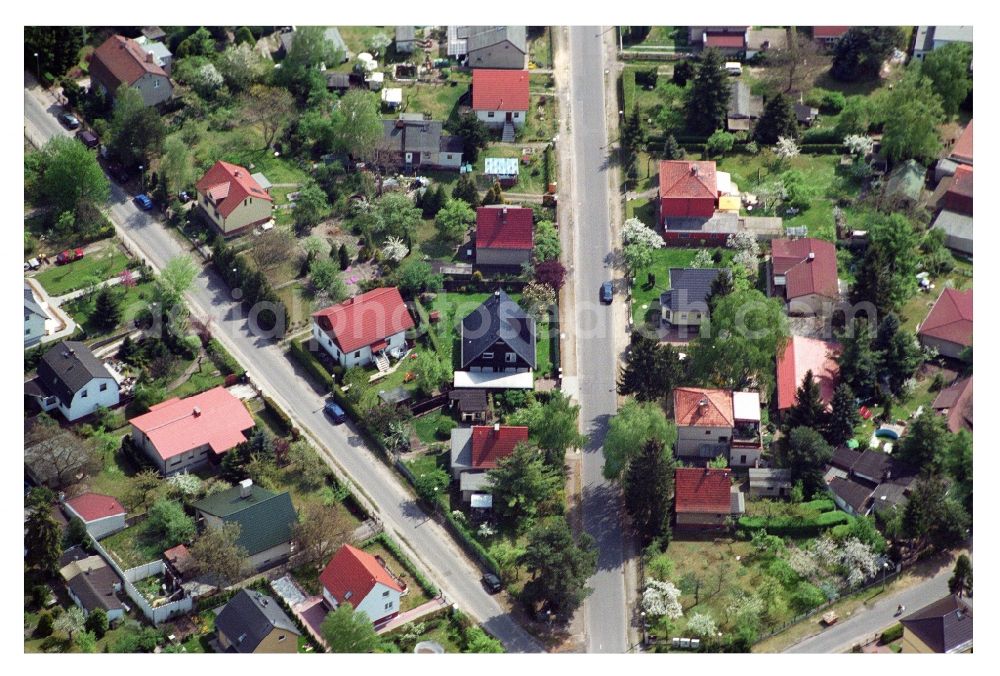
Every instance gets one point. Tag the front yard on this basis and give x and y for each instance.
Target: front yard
(646, 297)
(96, 266)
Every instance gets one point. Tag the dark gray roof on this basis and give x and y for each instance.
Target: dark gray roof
(805, 113)
(879, 466)
(944, 626)
(249, 617)
(761, 477)
(338, 80)
(480, 37)
(470, 401)
(412, 136)
(30, 304)
(406, 33)
(67, 368)
(689, 289)
(266, 519)
(852, 491)
(461, 447)
(844, 458)
(450, 144)
(742, 103)
(96, 588)
(498, 319)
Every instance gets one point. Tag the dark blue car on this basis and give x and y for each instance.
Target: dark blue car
(607, 292)
(144, 202)
(335, 412)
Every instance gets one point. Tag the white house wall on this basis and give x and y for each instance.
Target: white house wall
(689, 439)
(85, 405)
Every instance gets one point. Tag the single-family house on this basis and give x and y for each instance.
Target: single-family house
(411, 141)
(471, 405)
(744, 107)
(252, 622)
(70, 378)
(948, 326)
(497, 346)
(502, 169)
(803, 355)
(904, 186)
(957, 230)
(121, 61)
(341, 82)
(500, 97)
(770, 482)
(713, 422)
(489, 46)
(688, 189)
(406, 39)
(356, 577)
(805, 114)
(729, 40)
(958, 193)
(364, 328)
(804, 273)
(944, 626)
(505, 236)
(686, 302)
(266, 521)
(955, 403)
(34, 317)
(477, 449)
(704, 497)
(862, 482)
(828, 36)
(179, 435)
(929, 38)
(101, 514)
(232, 200)
(92, 583)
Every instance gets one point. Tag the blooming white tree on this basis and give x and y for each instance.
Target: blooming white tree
(858, 560)
(485, 530)
(859, 144)
(702, 625)
(186, 484)
(744, 604)
(824, 551)
(208, 80)
(661, 599)
(394, 249)
(702, 259)
(747, 252)
(786, 148)
(635, 231)
(802, 562)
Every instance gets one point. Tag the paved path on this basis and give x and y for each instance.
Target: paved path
(376, 485)
(422, 610)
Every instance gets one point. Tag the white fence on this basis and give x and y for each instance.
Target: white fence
(157, 614)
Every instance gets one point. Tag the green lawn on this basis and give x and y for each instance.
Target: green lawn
(539, 52)
(429, 243)
(643, 209)
(427, 427)
(415, 596)
(134, 299)
(669, 37)
(299, 303)
(440, 101)
(543, 119)
(531, 176)
(91, 269)
(205, 378)
(135, 546)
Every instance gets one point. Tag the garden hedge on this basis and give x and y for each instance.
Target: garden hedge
(222, 359)
(394, 549)
(310, 363)
(788, 526)
(893, 633)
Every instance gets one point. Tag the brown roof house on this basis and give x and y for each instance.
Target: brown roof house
(948, 326)
(122, 61)
(944, 626)
(711, 423)
(955, 403)
(92, 583)
(804, 273)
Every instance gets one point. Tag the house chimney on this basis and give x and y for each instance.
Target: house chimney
(496, 427)
(197, 411)
(694, 169)
(245, 486)
(149, 57)
(812, 255)
(702, 403)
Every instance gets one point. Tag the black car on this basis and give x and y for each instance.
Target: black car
(70, 121)
(492, 583)
(607, 292)
(88, 138)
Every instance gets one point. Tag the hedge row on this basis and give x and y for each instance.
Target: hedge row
(655, 147)
(225, 361)
(819, 505)
(893, 633)
(394, 549)
(286, 421)
(304, 356)
(474, 547)
(785, 526)
(628, 89)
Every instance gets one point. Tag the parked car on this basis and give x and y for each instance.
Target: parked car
(69, 255)
(607, 292)
(492, 583)
(144, 202)
(335, 412)
(88, 138)
(32, 264)
(70, 121)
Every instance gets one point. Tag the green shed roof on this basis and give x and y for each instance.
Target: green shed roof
(266, 519)
(906, 180)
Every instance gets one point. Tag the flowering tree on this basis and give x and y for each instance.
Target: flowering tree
(786, 148)
(859, 144)
(747, 252)
(635, 231)
(186, 484)
(702, 625)
(661, 599)
(744, 604)
(858, 561)
(394, 249)
(802, 562)
(702, 259)
(538, 298)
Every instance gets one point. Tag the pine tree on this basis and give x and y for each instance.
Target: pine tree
(808, 410)
(43, 540)
(683, 72)
(344, 257)
(778, 119)
(465, 190)
(873, 282)
(844, 416)
(651, 369)
(961, 581)
(648, 485)
(708, 99)
(494, 195)
(859, 361)
(899, 353)
(559, 566)
(671, 151)
(107, 309)
(722, 286)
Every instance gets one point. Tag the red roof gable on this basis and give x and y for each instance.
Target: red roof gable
(951, 318)
(490, 445)
(730, 40)
(122, 60)
(803, 354)
(685, 180)
(701, 490)
(700, 407)
(962, 182)
(228, 185)
(214, 417)
(352, 574)
(504, 227)
(829, 32)
(366, 319)
(93, 506)
(500, 89)
(962, 151)
(805, 275)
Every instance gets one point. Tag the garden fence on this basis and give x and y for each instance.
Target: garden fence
(157, 614)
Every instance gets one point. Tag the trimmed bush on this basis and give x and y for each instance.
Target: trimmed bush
(310, 363)
(893, 633)
(223, 360)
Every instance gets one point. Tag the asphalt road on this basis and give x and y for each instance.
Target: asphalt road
(605, 609)
(211, 300)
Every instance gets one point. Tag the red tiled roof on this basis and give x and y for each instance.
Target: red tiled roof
(803, 354)
(963, 146)
(826, 32)
(122, 60)
(955, 403)
(734, 40)
(951, 318)
(228, 185)
(214, 417)
(805, 276)
(701, 490)
(685, 180)
(352, 574)
(93, 506)
(365, 320)
(716, 412)
(962, 182)
(504, 227)
(490, 445)
(500, 89)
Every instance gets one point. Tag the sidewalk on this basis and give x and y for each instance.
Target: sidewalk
(414, 614)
